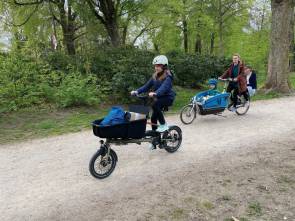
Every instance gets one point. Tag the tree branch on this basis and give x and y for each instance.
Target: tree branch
(92, 6)
(37, 2)
(80, 35)
(227, 8)
(145, 29)
(27, 19)
(232, 14)
(79, 27)
(53, 15)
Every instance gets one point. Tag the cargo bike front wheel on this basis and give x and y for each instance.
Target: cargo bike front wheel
(103, 162)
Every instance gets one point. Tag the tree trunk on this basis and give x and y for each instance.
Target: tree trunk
(113, 32)
(125, 30)
(291, 66)
(278, 63)
(221, 46)
(106, 12)
(185, 34)
(220, 29)
(124, 34)
(68, 29)
(54, 40)
(198, 45)
(212, 39)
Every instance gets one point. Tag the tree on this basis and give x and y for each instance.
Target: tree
(278, 63)
(56, 10)
(222, 11)
(106, 11)
(116, 16)
(68, 20)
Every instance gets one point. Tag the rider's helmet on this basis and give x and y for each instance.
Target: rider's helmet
(213, 83)
(161, 59)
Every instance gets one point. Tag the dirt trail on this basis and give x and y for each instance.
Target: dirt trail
(227, 166)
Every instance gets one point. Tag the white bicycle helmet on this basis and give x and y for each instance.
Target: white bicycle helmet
(161, 59)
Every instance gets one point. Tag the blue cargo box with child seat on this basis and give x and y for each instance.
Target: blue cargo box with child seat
(213, 104)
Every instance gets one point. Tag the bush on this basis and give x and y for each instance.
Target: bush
(26, 83)
(19, 83)
(193, 70)
(87, 79)
(76, 90)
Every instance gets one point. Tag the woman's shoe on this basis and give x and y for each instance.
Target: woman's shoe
(162, 128)
(152, 147)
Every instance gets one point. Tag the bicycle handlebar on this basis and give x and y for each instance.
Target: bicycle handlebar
(143, 96)
(226, 79)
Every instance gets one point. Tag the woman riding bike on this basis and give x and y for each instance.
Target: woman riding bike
(160, 87)
(239, 83)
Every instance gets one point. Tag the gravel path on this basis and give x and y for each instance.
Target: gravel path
(227, 166)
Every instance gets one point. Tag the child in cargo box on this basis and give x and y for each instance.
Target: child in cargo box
(209, 93)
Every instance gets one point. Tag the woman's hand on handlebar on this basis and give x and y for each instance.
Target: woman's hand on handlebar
(134, 93)
(226, 79)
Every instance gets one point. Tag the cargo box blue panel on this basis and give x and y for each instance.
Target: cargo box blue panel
(217, 101)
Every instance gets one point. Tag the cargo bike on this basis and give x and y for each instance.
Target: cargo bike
(203, 104)
(104, 161)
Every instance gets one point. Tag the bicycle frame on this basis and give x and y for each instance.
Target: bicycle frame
(226, 83)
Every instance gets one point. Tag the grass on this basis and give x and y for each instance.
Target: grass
(35, 123)
(183, 97)
(207, 205)
(283, 179)
(178, 214)
(254, 209)
(31, 123)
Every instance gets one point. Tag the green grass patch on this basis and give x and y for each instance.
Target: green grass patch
(243, 219)
(207, 205)
(292, 79)
(254, 209)
(263, 96)
(33, 123)
(286, 180)
(183, 97)
(178, 214)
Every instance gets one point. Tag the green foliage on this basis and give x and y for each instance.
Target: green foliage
(25, 82)
(76, 90)
(254, 209)
(193, 70)
(68, 81)
(19, 82)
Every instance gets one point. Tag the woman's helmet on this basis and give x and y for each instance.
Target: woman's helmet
(161, 59)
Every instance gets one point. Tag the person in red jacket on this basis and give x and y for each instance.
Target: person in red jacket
(238, 83)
